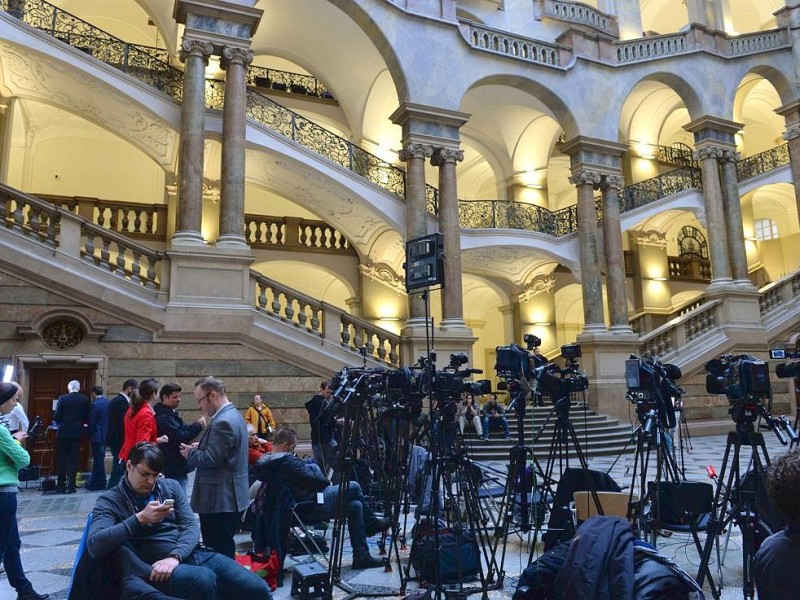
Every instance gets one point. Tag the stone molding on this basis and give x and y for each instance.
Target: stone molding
(195, 48)
(233, 54)
(710, 151)
(384, 274)
(539, 284)
(415, 150)
(446, 155)
(585, 177)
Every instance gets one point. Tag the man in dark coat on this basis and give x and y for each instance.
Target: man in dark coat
(72, 417)
(98, 428)
(322, 419)
(169, 423)
(115, 436)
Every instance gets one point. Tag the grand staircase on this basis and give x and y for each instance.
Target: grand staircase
(598, 435)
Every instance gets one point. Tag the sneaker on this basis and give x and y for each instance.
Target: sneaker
(377, 525)
(367, 562)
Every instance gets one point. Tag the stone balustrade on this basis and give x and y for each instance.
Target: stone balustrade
(576, 13)
(293, 233)
(326, 321)
(487, 39)
(681, 331)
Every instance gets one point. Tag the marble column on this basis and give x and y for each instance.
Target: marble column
(414, 156)
(715, 218)
(195, 55)
(613, 254)
(791, 112)
(452, 296)
(732, 207)
(231, 221)
(592, 290)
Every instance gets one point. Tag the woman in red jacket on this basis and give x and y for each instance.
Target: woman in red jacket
(140, 421)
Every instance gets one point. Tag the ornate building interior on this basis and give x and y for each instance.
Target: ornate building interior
(226, 187)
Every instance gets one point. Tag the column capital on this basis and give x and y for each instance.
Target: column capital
(730, 156)
(585, 177)
(609, 182)
(710, 151)
(195, 48)
(792, 132)
(441, 156)
(233, 54)
(414, 150)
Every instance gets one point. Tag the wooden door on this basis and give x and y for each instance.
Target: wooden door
(45, 386)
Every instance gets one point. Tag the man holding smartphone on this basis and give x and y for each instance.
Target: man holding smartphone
(147, 524)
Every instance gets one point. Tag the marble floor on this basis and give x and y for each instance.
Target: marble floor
(50, 528)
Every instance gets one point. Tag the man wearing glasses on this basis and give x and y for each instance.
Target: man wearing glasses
(150, 517)
(221, 491)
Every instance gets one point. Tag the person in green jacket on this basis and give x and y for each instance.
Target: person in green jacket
(12, 458)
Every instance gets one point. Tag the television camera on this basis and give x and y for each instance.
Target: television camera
(516, 364)
(652, 388)
(786, 370)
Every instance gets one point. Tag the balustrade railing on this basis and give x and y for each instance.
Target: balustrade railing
(779, 293)
(320, 319)
(686, 328)
(652, 47)
(292, 233)
(677, 154)
(689, 268)
(759, 41)
(140, 221)
(487, 39)
(284, 81)
(580, 14)
(763, 162)
(76, 236)
(478, 214)
(650, 190)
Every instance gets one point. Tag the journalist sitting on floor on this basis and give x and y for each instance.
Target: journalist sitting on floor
(150, 516)
(305, 480)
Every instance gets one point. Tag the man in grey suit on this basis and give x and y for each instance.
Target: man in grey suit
(220, 492)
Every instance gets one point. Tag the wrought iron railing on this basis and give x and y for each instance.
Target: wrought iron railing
(507, 214)
(689, 268)
(146, 63)
(285, 81)
(651, 190)
(763, 162)
(677, 154)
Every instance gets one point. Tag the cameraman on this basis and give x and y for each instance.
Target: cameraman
(493, 414)
(776, 562)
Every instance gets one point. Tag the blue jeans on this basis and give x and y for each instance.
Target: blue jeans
(355, 509)
(207, 575)
(488, 421)
(10, 543)
(98, 479)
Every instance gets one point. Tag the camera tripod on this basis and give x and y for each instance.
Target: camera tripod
(515, 499)
(738, 505)
(358, 424)
(651, 434)
(449, 502)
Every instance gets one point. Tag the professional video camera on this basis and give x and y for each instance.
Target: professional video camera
(651, 386)
(537, 373)
(745, 381)
(785, 370)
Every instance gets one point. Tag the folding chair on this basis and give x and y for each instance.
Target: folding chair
(614, 504)
(685, 507)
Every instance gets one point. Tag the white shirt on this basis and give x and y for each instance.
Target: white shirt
(17, 420)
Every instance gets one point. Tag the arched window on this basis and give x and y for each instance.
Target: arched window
(766, 229)
(692, 242)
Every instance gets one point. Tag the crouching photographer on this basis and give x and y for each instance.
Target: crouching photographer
(309, 486)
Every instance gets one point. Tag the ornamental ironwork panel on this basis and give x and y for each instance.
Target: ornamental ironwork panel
(650, 190)
(285, 81)
(763, 162)
(62, 334)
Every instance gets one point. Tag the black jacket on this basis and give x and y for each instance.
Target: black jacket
(284, 468)
(72, 414)
(169, 423)
(322, 419)
(599, 565)
(117, 408)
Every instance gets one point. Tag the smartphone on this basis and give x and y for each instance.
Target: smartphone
(169, 502)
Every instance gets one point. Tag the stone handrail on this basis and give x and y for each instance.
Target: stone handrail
(576, 13)
(293, 233)
(758, 41)
(137, 220)
(78, 237)
(650, 48)
(492, 40)
(779, 293)
(325, 321)
(681, 331)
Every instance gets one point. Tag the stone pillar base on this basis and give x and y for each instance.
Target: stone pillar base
(210, 277)
(603, 360)
(187, 238)
(234, 242)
